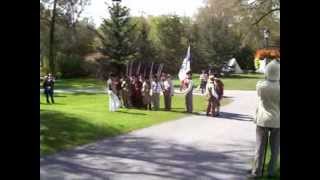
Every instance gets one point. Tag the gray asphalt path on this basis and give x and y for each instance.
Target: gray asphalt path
(191, 148)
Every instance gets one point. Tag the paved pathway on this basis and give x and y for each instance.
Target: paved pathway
(191, 148)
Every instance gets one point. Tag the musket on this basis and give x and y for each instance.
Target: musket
(145, 71)
(160, 70)
(150, 76)
(130, 69)
(138, 69)
(127, 69)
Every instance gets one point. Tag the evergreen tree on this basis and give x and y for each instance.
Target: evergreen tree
(118, 36)
(145, 48)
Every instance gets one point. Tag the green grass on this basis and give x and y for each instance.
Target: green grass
(232, 82)
(83, 83)
(82, 118)
(277, 175)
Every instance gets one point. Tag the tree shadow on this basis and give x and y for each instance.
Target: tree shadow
(134, 113)
(63, 131)
(235, 116)
(236, 76)
(132, 155)
(59, 95)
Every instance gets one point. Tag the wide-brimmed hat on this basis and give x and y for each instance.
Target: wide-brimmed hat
(211, 78)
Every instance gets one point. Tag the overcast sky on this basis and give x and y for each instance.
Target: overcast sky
(97, 10)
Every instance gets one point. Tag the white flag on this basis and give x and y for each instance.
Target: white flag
(185, 67)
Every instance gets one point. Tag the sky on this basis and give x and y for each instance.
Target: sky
(98, 9)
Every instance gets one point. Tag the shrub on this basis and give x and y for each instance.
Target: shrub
(70, 66)
(245, 58)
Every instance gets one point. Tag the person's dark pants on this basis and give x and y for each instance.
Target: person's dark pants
(212, 104)
(148, 106)
(189, 103)
(262, 134)
(49, 93)
(167, 101)
(203, 86)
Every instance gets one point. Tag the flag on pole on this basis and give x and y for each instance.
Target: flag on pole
(185, 67)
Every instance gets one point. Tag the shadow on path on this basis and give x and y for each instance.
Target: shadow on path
(235, 116)
(165, 160)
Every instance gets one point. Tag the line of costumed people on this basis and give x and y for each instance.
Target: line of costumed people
(210, 85)
(140, 90)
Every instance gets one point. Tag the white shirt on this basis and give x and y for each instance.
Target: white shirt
(189, 88)
(156, 87)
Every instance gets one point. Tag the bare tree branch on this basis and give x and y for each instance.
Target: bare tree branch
(266, 14)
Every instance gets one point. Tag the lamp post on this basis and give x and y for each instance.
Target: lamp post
(266, 36)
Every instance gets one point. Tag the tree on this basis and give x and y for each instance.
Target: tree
(68, 11)
(217, 40)
(51, 41)
(118, 36)
(171, 34)
(146, 51)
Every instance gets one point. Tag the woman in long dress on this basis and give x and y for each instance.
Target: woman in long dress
(114, 102)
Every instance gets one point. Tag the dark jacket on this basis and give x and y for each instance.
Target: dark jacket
(48, 84)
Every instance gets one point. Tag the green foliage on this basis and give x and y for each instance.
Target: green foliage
(146, 51)
(257, 63)
(118, 36)
(245, 58)
(70, 66)
(72, 39)
(172, 46)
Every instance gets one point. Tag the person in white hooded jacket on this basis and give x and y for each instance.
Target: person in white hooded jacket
(267, 119)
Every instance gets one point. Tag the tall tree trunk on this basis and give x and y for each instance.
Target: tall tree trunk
(51, 40)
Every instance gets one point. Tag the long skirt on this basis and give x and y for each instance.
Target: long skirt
(114, 102)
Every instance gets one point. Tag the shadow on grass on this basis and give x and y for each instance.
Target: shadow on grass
(63, 131)
(134, 113)
(162, 159)
(241, 77)
(59, 95)
(56, 103)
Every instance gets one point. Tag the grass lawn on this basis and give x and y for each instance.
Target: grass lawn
(83, 118)
(277, 175)
(233, 82)
(83, 83)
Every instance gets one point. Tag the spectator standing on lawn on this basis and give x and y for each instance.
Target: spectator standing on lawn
(48, 86)
(267, 119)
